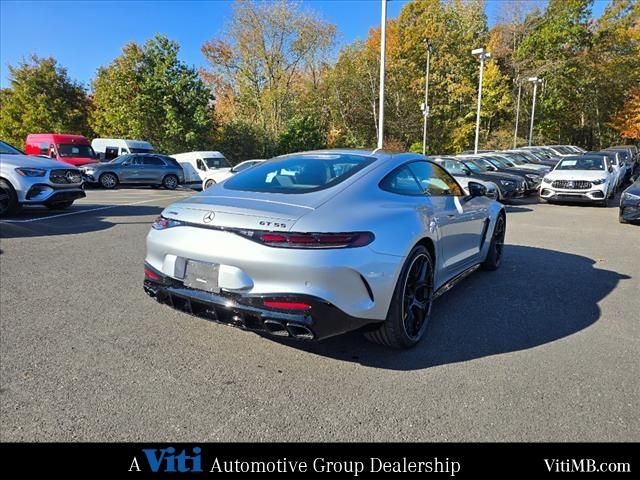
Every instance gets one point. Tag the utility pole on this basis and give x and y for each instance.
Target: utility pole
(515, 133)
(383, 41)
(425, 105)
(535, 81)
(480, 52)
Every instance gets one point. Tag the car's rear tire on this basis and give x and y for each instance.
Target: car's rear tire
(410, 308)
(209, 183)
(60, 205)
(621, 219)
(109, 180)
(496, 246)
(8, 199)
(170, 182)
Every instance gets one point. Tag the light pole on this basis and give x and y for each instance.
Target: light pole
(383, 41)
(425, 105)
(483, 54)
(515, 133)
(535, 81)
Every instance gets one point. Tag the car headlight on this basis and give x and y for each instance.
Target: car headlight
(599, 181)
(162, 223)
(31, 172)
(89, 171)
(534, 178)
(630, 196)
(507, 183)
(547, 180)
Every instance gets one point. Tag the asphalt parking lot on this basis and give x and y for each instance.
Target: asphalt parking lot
(545, 349)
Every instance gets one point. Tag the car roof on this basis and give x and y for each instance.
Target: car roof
(58, 137)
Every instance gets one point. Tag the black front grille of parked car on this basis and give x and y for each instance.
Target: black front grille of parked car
(65, 176)
(572, 184)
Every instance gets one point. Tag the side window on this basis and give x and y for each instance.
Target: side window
(123, 150)
(153, 161)
(401, 181)
(135, 160)
(44, 148)
(434, 180)
(200, 165)
(110, 153)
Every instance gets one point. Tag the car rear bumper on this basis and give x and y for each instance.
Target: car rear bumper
(248, 312)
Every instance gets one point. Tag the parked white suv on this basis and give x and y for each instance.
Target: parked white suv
(26, 180)
(587, 178)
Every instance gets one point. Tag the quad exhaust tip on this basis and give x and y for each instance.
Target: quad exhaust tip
(276, 327)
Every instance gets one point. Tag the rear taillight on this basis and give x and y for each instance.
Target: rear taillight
(150, 274)
(308, 240)
(286, 305)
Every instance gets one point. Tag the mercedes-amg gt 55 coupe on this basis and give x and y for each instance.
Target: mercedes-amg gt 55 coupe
(315, 244)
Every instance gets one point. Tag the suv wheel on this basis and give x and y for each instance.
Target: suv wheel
(170, 182)
(8, 199)
(209, 183)
(410, 308)
(108, 180)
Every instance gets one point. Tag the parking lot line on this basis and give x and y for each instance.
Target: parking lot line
(29, 220)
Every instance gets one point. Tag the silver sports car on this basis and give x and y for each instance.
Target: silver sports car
(315, 244)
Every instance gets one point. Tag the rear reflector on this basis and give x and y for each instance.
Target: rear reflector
(308, 240)
(151, 274)
(285, 305)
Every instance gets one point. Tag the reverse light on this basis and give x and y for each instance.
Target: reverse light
(308, 240)
(31, 172)
(162, 223)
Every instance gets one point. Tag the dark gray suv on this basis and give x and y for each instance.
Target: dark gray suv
(139, 169)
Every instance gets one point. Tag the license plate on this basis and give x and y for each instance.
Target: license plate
(202, 276)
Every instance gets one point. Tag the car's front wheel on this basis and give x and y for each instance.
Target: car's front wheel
(108, 180)
(8, 199)
(170, 182)
(209, 183)
(410, 308)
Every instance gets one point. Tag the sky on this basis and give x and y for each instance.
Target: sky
(84, 35)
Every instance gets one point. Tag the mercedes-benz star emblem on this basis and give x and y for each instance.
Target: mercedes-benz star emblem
(209, 216)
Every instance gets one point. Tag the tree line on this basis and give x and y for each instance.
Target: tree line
(274, 84)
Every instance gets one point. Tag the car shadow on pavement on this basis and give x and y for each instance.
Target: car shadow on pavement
(46, 223)
(536, 297)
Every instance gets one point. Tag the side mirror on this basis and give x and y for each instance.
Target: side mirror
(476, 189)
(467, 172)
(610, 169)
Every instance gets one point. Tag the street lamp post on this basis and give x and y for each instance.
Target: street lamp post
(515, 133)
(383, 41)
(536, 81)
(425, 105)
(484, 55)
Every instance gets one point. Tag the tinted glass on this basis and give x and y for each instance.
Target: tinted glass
(453, 167)
(401, 181)
(299, 174)
(153, 161)
(122, 158)
(7, 149)
(72, 150)
(433, 180)
(141, 150)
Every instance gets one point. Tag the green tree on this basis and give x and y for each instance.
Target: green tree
(41, 98)
(303, 132)
(148, 93)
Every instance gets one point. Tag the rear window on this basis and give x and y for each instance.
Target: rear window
(299, 174)
(216, 162)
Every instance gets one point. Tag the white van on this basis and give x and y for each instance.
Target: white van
(109, 148)
(197, 165)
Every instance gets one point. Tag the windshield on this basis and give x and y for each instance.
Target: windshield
(484, 164)
(473, 167)
(453, 167)
(121, 159)
(564, 150)
(217, 162)
(498, 162)
(67, 150)
(244, 165)
(584, 163)
(514, 158)
(7, 149)
(299, 174)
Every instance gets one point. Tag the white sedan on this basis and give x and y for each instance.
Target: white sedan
(217, 176)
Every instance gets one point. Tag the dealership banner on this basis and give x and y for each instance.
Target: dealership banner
(347, 459)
